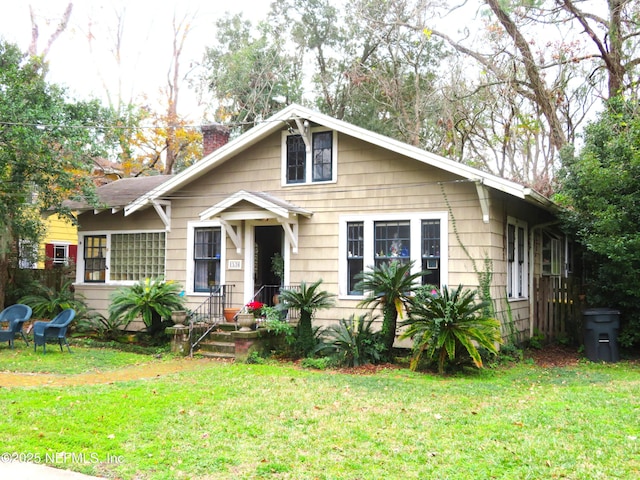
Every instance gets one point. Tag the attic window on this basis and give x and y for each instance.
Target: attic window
(298, 169)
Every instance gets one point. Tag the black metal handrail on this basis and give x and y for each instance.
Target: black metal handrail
(210, 312)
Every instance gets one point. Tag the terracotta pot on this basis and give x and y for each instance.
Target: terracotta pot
(230, 313)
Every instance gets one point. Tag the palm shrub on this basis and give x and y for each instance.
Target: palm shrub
(47, 302)
(151, 299)
(355, 341)
(389, 286)
(308, 299)
(443, 321)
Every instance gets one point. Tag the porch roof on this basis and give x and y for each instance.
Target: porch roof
(264, 201)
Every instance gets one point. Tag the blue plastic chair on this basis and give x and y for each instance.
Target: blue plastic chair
(16, 315)
(56, 328)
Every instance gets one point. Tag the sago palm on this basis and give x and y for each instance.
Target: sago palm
(441, 322)
(307, 299)
(390, 287)
(151, 299)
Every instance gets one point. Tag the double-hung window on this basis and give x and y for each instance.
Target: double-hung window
(298, 169)
(95, 258)
(517, 259)
(368, 241)
(392, 241)
(431, 252)
(355, 255)
(206, 258)
(551, 254)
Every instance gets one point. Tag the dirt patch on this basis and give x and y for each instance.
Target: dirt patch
(137, 372)
(554, 356)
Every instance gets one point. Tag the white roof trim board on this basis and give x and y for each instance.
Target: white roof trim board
(278, 207)
(290, 114)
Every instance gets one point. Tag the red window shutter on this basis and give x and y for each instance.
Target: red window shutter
(48, 253)
(73, 254)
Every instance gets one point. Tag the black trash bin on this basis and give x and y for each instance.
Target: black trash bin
(601, 334)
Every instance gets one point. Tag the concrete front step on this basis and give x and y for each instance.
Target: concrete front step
(219, 343)
(204, 353)
(220, 347)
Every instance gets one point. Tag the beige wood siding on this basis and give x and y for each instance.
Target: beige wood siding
(370, 180)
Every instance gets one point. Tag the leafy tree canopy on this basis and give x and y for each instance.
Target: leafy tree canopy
(47, 144)
(600, 188)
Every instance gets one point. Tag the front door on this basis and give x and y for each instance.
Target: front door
(268, 246)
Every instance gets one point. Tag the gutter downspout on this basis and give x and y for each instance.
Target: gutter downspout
(532, 268)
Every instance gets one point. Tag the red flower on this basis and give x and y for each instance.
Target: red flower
(254, 306)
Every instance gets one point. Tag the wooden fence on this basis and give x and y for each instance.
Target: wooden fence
(557, 309)
(52, 277)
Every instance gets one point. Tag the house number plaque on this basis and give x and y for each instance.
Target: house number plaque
(235, 264)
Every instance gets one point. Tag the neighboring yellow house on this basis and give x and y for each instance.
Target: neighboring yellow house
(59, 247)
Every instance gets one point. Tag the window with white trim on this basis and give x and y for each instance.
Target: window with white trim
(551, 254)
(123, 257)
(517, 259)
(207, 245)
(355, 255)
(95, 258)
(136, 256)
(370, 240)
(298, 169)
(431, 252)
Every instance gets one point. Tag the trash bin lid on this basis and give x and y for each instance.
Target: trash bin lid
(601, 311)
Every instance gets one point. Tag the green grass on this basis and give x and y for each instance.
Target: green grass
(87, 356)
(238, 421)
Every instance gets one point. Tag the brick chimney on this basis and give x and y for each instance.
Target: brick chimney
(213, 137)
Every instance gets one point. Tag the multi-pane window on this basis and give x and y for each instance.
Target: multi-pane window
(551, 255)
(517, 263)
(369, 241)
(206, 253)
(322, 161)
(60, 256)
(296, 159)
(95, 258)
(392, 241)
(318, 168)
(136, 256)
(431, 252)
(355, 255)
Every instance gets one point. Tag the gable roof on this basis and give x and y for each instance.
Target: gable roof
(295, 112)
(120, 193)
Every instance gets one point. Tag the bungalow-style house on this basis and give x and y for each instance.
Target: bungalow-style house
(332, 199)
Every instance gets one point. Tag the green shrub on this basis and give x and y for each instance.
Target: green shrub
(47, 302)
(321, 363)
(307, 300)
(152, 300)
(355, 341)
(443, 322)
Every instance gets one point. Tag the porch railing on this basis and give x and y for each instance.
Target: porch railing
(210, 312)
(268, 295)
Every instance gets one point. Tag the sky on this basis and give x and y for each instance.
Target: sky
(146, 47)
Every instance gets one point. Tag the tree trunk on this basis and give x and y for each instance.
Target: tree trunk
(388, 332)
(543, 97)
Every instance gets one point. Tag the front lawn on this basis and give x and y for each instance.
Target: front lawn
(234, 421)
